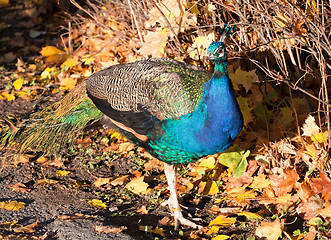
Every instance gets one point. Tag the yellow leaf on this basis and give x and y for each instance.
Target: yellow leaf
(245, 109)
(62, 173)
(155, 43)
(320, 137)
(315, 221)
(260, 182)
(281, 20)
(208, 188)
(18, 84)
(101, 181)
(50, 50)
(47, 73)
(88, 60)
(12, 205)
(137, 185)
(244, 78)
(149, 229)
(208, 162)
(213, 229)
(250, 215)
(9, 96)
(269, 230)
(221, 237)
(222, 221)
(68, 83)
(70, 62)
(283, 199)
(97, 203)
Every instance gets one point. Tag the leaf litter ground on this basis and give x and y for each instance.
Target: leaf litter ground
(106, 188)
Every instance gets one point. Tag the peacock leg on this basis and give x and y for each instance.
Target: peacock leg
(170, 173)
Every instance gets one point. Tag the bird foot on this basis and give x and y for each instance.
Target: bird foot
(183, 221)
(178, 216)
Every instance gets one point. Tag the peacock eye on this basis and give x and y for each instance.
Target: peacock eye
(220, 51)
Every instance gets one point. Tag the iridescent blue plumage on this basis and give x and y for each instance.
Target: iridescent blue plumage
(210, 128)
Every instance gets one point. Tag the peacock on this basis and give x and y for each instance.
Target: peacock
(176, 111)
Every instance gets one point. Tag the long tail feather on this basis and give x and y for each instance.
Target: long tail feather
(55, 127)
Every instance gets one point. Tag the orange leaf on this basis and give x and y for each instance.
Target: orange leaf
(269, 230)
(283, 180)
(322, 185)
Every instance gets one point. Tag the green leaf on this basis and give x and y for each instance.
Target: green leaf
(235, 161)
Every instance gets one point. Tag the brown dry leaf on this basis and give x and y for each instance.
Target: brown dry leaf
(311, 235)
(304, 191)
(76, 216)
(310, 127)
(109, 229)
(310, 208)
(126, 147)
(322, 185)
(42, 160)
(326, 211)
(57, 162)
(101, 181)
(137, 185)
(269, 230)
(119, 180)
(26, 229)
(47, 181)
(20, 187)
(152, 163)
(283, 180)
(143, 210)
(164, 221)
(21, 159)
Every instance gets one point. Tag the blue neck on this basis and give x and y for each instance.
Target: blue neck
(210, 129)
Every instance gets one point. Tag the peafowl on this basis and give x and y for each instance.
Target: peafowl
(176, 111)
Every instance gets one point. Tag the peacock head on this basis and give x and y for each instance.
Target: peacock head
(216, 51)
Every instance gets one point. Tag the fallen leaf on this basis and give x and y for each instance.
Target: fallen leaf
(119, 180)
(97, 203)
(68, 83)
(310, 127)
(283, 180)
(137, 185)
(260, 182)
(126, 147)
(222, 221)
(220, 237)
(250, 215)
(47, 181)
(20, 187)
(18, 84)
(269, 230)
(62, 173)
(208, 188)
(109, 229)
(101, 181)
(208, 162)
(12, 205)
(164, 221)
(26, 229)
(322, 185)
(150, 229)
(70, 62)
(142, 210)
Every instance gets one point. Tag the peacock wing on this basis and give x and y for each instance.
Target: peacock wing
(137, 95)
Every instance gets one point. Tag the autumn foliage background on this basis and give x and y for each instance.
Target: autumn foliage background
(278, 171)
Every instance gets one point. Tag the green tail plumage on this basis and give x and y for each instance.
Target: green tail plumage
(53, 128)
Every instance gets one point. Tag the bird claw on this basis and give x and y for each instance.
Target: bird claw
(183, 221)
